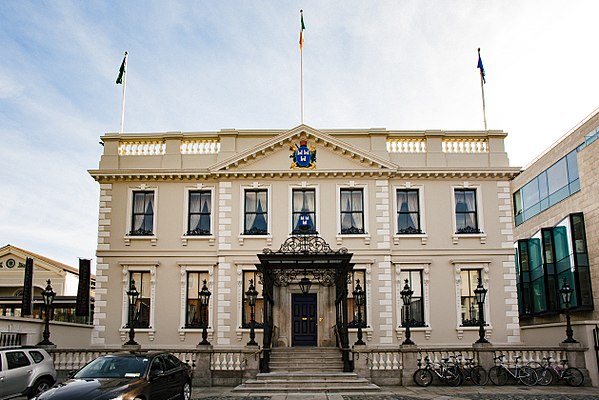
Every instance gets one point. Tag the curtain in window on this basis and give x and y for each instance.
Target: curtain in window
(199, 213)
(304, 210)
(352, 211)
(143, 212)
(255, 213)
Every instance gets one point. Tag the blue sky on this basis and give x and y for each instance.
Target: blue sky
(210, 65)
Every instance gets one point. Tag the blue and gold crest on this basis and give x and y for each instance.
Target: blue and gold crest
(303, 157)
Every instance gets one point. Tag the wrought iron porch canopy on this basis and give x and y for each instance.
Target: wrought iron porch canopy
(305, 256)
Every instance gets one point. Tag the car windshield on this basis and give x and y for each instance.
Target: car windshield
(114, 367)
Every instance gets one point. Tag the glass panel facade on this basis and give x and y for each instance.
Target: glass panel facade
(547, 189)
(414, 278)
(546, 260)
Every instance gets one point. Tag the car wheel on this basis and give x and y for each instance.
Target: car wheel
(186, 391)
(40, 386)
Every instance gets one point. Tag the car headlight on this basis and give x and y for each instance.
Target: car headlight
(116, 398)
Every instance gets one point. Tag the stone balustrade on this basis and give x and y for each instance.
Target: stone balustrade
(142, 147)
(406, 145)
(200, 146)
(393, 366)
(465, 145)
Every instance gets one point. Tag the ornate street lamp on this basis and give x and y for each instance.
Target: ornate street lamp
(48, 294)
(480, 293)
(132, 294)
(406, 297)
(251, 296)
(566, 293)
(204, 296)
(305, 285)
(360, 299)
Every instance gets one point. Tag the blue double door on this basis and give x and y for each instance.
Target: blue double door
(304, 317)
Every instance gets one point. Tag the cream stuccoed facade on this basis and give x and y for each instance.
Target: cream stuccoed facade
(430, 207)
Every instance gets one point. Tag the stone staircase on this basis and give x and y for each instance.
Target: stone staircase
(306, 369)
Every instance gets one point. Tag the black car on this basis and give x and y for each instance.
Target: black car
(127, 376)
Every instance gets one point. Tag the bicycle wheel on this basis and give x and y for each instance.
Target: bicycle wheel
(423, 377)
(479, 375)
(527, 375)
(573, 376)
(498, 375)
(453, 376)
(545, 376)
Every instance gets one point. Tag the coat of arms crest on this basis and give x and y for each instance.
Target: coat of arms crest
(302, 156)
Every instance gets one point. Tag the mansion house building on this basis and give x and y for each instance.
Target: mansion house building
(343, 210)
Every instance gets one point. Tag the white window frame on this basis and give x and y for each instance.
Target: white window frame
(352, 185)
(317, 211)
(186, 238)
(483, 266)
(184, 268)
(424, 267)
(242, 236)
(151, 238)
(422, 236)
(482, 236)
(150, 267)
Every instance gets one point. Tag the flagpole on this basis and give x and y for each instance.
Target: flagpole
(124, 89)
(302, 64)
(482, 89)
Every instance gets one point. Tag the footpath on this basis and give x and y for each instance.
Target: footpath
(489, 392)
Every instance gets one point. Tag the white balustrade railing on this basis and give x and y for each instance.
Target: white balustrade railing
(200, 146)
(530, 355)
(465, 145)
(71, 360)
(142, 147)
(385, 360)
(406, 145)
(227, 361)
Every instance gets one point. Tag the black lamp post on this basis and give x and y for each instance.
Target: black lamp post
(360, 299)
(48, 294)
(480, 293)
(132, 294)
(305, 285)
(251, 296)
(406, 297)
(204, 296)
(566, 293)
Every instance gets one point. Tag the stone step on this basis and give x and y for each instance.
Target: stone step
(303, 376)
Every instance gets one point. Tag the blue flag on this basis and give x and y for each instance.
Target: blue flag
(480, 66)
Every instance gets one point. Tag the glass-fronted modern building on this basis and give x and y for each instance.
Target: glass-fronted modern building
(557, 239)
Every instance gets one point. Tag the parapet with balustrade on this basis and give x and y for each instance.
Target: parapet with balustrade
(200, 150)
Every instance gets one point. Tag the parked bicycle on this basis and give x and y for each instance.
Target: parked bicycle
(549, 371)
(446, 371)
(499, 374)
(472, 372)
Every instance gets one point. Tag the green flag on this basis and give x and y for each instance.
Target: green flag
(122, 71)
